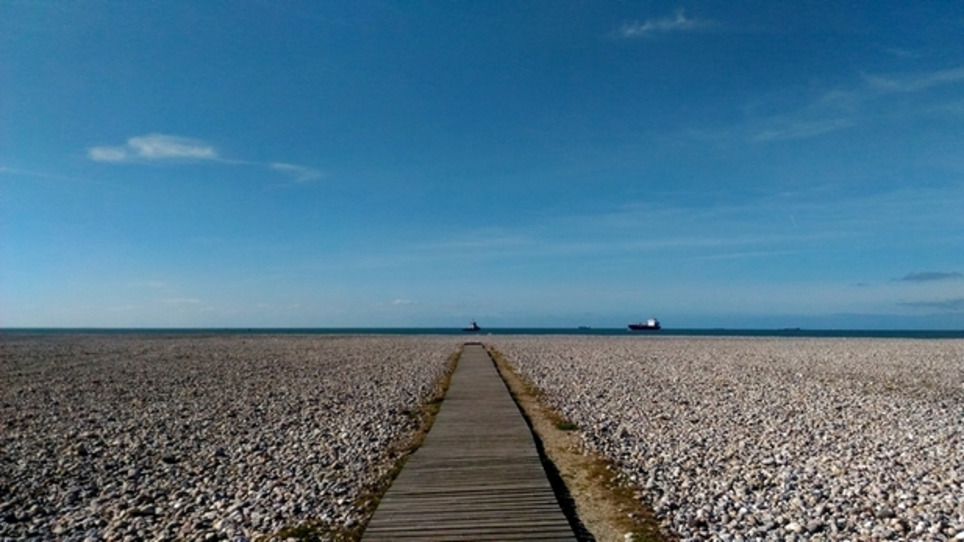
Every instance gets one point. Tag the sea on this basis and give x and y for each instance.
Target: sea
(613, 332)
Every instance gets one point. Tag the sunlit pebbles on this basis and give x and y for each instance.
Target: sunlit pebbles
(230, 437)
(770, 439)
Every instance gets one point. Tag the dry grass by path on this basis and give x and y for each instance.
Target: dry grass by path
(606, 504)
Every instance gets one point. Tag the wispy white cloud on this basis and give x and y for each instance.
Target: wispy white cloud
(298, 173)
(678, 22)
(107, 154)
(4, 170)
(154, 147)
(866, 101)
(801, 129)
(164, 148)
(404, 302)
(927, 276)
(824, 219)
(914, 82)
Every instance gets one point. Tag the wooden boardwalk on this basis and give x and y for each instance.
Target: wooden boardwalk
(478, 475)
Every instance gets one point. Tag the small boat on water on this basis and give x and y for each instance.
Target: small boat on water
(472, 327)
(649, 325)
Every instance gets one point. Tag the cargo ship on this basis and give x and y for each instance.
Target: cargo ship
(649, 325)
(472, 327)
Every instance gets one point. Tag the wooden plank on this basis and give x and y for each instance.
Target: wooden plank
(478, 475)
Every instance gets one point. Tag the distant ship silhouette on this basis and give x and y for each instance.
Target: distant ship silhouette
(649, 325)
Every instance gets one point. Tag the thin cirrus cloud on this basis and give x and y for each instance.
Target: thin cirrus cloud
(802, 129)
(928, 276)
(678, 22)
(298, 173)
(162, 148)
(154, 147)
(840, 109)
(916, 82)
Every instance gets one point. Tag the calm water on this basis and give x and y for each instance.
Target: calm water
(893, 334)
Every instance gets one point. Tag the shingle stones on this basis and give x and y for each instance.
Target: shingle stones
(770, 439)
(201, 437)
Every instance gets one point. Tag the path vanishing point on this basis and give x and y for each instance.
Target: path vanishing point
(478, 475)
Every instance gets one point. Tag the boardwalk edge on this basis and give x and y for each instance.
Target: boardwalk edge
(602, 502)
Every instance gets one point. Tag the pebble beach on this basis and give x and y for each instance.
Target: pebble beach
(116, 437)
(769, 439)
(232, 437)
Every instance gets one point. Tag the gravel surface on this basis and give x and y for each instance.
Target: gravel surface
(236, 437)
(770, 439)
(201, 437)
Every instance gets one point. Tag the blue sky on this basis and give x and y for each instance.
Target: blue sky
(559, 163)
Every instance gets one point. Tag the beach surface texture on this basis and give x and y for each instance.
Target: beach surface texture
(193, 438)
(112, 437)
(769, 439)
